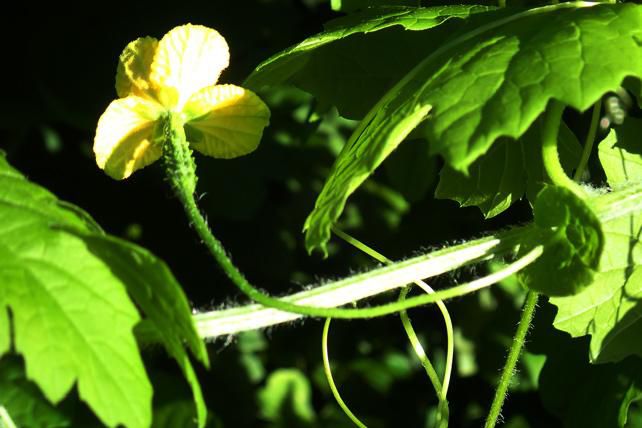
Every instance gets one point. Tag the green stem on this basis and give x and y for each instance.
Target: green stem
(180, 170)
(418, 348)
(230, 321)
(442, 308)
(216, 323)
(441, 390)
(442, 407)
(512, 359)
(328, 374)
(550, 155)
(218, 252)
(588, 144)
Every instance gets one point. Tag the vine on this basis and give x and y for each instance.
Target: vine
(471, 87)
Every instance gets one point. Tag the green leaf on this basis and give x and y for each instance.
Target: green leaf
(24, 401)
(286, 398)
(348, 6)
(494, 183)
(493, 81)
(56, 254)
(621, 153)
(153, 287)
(349, 65)
(610, 310)
(71, 316)
(573, 242)
(506, 172)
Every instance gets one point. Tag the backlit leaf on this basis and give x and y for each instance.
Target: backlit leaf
(508, 171)
(349, 65)
(493, 81)
(66, 283)
(609, 309)
(621, 153)
(573, 242)
(71, 317)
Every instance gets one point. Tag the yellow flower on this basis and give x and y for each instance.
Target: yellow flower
(176, 75)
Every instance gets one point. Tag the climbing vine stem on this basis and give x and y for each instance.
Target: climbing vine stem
(513, 357)
(328, 374)
(441, 389)
(418, 348)
(550, 155)
(180, 171)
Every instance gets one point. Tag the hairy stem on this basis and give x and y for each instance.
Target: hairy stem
(550, 155)
(328, 374)
(512, 359)
(180, 170)
(230, 321)
(588, 144)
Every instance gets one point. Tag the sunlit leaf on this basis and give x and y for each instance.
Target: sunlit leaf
(609, 310)
(71, 317)
(153, 287)
(66, 283)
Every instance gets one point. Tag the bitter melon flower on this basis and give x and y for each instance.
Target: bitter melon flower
(176, 75)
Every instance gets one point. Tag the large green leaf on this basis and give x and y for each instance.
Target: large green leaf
(71, 316)
(153, 287)
(491, 82)
(66, 283)
(610, 312)
(358, 57)
(610, 309)
(506, 172)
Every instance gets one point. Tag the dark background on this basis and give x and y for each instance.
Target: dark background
(60, 65)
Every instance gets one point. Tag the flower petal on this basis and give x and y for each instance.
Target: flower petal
(188, 59)
(225, 121)
(134, 66)
(123, 141)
